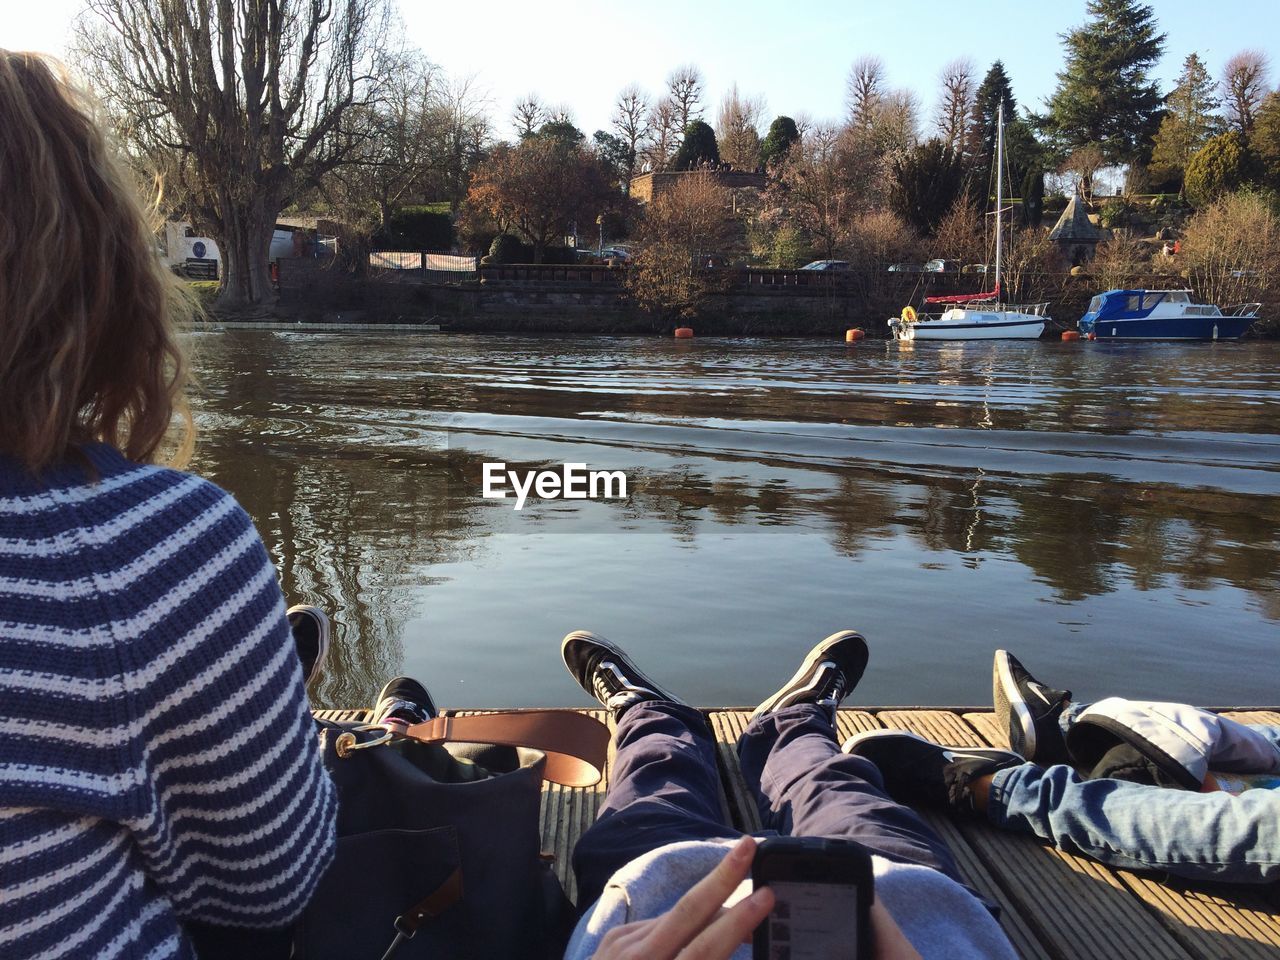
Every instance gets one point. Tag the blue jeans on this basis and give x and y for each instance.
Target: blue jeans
(665, 788)
(1196, 836)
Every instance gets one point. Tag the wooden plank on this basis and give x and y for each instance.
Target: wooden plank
(1072, 906)
(1267, 717)
(728, 726)
(982, 879)
(987, 727)
(1212, 920)
(341, 716)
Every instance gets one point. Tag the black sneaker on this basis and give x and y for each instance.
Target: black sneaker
(405, 700)
(604, 671)
(828, 674)
(921, 773)
(1029, 711)
(311, 633)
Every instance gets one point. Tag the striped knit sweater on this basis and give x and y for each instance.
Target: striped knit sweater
(157, 761)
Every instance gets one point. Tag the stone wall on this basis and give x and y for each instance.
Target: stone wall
(647, 186)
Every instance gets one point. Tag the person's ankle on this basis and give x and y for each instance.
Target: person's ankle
(980, 790)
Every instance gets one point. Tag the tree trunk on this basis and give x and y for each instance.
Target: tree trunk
(245, 246)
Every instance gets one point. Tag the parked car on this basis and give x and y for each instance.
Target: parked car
(615, 253)
(827, 265)
(905, 268)
(974, 268)
(942, 266)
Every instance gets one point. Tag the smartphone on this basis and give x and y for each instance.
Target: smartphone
(822, 899)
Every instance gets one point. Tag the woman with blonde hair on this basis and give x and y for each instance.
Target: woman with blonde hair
(158, 768)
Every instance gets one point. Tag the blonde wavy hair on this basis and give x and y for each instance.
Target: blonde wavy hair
(88, 313)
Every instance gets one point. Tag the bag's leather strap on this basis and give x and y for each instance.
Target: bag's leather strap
(576, 745)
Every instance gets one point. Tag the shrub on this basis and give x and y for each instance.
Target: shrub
(508, 249)
(1222, 165)
(1232, 247)
(416, 228)
(1114, 213)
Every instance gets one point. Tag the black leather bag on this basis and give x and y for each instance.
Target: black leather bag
(439, 852)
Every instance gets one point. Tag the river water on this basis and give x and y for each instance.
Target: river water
(1109, 512)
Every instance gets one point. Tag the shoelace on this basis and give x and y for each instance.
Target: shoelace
(835, 691)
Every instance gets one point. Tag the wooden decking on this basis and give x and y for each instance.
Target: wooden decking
(1055, 905)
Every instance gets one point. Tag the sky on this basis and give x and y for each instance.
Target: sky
(796, 56)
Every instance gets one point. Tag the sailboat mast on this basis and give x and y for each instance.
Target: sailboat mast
(999, 188)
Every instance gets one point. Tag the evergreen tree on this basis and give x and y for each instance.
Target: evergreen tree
(1022, 152)
(926, 182)
(698, 147)
(1104, 95)
(1190, 121)
(994, 90)
(782, 134)
(1033, 198)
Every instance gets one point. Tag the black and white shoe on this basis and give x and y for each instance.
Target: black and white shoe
(827, 675)
(311, 632)
(1029, 711)
(922, 773)
(604, 671)
(403, 700)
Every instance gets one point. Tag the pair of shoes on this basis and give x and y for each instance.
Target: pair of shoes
(828, 674)
(919, 772)
(311, 633)
(402, 700)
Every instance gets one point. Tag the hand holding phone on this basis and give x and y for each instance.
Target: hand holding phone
(823, 890)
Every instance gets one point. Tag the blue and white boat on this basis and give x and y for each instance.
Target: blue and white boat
(1162, 315)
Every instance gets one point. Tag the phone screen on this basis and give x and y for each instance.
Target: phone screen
(813, 921)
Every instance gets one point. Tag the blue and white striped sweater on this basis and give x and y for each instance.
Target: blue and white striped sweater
(141, 622)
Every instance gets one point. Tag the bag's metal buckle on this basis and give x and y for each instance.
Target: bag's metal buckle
(348, 742)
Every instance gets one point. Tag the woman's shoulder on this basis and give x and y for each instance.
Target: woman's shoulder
(107, 502)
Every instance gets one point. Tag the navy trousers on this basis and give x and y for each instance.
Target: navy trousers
(665, 788)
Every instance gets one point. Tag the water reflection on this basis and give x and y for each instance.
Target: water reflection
(955, 489)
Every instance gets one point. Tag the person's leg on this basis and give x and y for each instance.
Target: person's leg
(663, 783)
(663, 788)
(1198, 836)
(806, 787)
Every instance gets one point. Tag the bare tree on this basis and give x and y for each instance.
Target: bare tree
(560, 113)
(1244, 85)
(956, 101)
(394, 154)
(737, 129)
(864, 91)
(631, 125)
(896, 125)
(664, 135)
(684, 89)
(682, 228)
(258, 97)
(461, 136)
(528, 115)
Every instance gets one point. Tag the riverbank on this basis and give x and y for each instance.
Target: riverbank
(594, 300)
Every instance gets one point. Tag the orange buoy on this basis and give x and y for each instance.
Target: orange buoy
(684, 333)
(852, 336)
(1070, 334)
